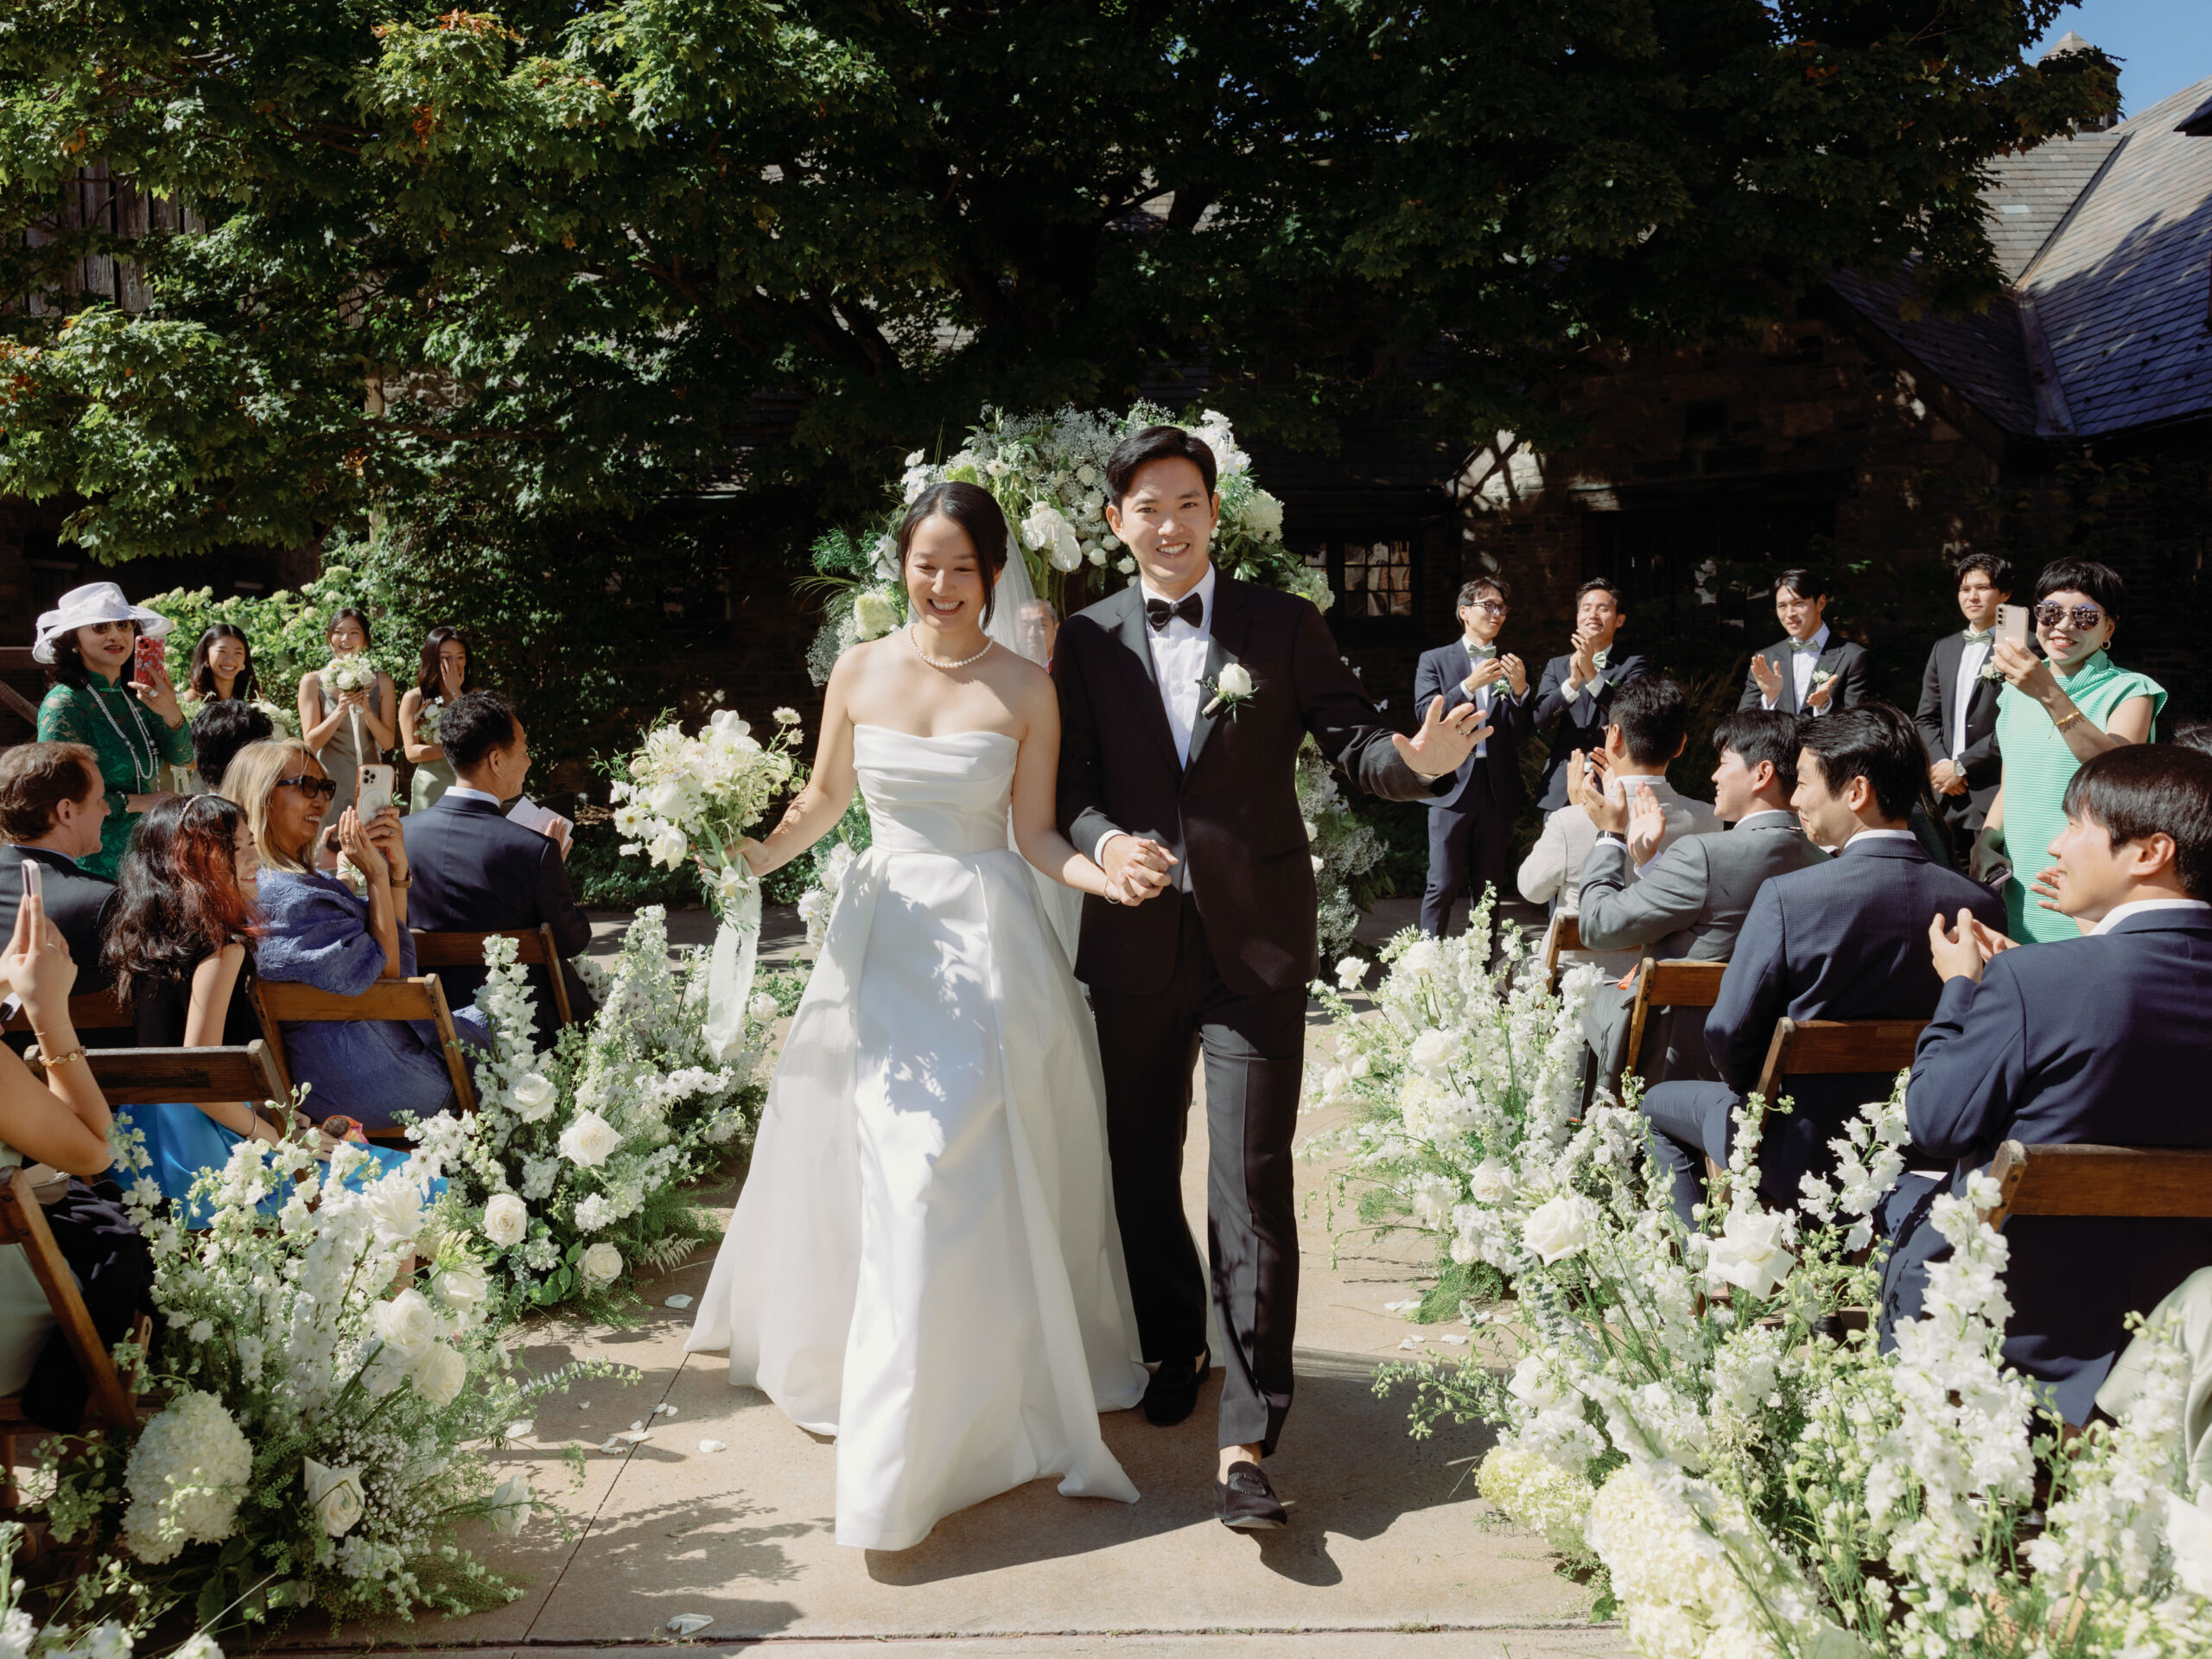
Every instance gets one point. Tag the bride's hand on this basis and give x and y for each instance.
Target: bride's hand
(755, 855)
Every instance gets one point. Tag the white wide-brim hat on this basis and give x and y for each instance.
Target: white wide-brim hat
(96, 602)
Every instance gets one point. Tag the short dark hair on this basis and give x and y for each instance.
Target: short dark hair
(1768, 734)
(478, 723)
(1601, 585)
(2195, 732)
(976, 512)
(201, 676)
(1995, 566)
(36, 778)
(2139, 790)
(2099, 581)
(1473, 590)
(428, 678)
(1871, 741)
(1156, 443)
(1805, 582)
(224, 727)
(1654, 717)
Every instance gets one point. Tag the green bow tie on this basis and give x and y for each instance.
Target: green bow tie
(1981, 639)
(1482, 651)
(1802, 645)
(1597, 657)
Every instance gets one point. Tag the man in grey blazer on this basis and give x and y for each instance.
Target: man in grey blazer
(1690, 899)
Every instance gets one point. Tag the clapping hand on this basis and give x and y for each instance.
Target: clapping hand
(1767, 678)
(1817, 698)
(1964, 951)
(1582, 654)
(1444, 741)
(1588, 787)
(1485, 673)
(1647, 826)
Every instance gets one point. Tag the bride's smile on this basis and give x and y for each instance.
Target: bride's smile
(945, 588)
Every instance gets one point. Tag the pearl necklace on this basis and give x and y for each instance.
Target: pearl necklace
(153, 763)
(945, 667)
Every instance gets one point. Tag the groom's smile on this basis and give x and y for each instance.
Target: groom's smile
(1166, 517)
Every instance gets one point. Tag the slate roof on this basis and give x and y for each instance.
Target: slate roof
(2106, 243)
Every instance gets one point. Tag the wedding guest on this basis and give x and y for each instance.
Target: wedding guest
(89, 642)
(440, 677)
(2056, 711)
(1689, 901)
(1957, 715)
(2099, 1039)
(1648, 726)
(1808, 672)
(222, 666)
(347, 730)
(1471, 824)
(1576, 690)
(316, 932)
(51, 804)
(219, 732)
(477, 871)
(1843, 939)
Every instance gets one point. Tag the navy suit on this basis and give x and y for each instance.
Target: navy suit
(1936, 716)
(1846, 939)
(76, 903)
(477, 871)
(1581, 722)
(1471, 819)
(2100, 1040)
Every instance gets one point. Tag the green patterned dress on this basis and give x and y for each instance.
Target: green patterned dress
(133, 744)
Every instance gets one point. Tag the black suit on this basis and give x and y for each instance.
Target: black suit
(1219, 961)
(1581, 720)
(78, 904)
(1845, 661)
(476, 871)
(1937, 716)
(1471, 820)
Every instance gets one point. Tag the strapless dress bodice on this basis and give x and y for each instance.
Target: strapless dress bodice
(936, 794)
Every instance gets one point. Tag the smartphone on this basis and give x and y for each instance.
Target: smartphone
(34, 879)
(149, 657)
(2012, 625)
(373, 791)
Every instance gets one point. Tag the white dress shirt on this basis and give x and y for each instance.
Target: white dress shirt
(1179, 664)
(1477, 655)
(2136, 906)
(463, 792)
(1801, 665)
(1970, 661)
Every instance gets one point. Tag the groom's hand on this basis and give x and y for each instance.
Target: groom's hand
(1137, 868)
(1444, 741)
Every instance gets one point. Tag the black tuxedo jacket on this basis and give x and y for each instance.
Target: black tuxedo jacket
(1581, 723)
(1846, 661)
(476, 871)
(1442, 673)
(75, 903)
(1231, 816)
(1938, 711)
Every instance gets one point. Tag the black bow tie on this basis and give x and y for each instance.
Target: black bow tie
(1160, 612)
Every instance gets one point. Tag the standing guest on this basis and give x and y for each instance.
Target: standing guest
(314, 932)
(219, 732)
(440, 679)
(2099, 1039)
(1576, 690)
(1471, 823)
(222, 666)
(88, 643)
(1839, 940)
(478, 871)
(345, 730)
(1808, 671)
(2058, 710)
(1689, 902)
(51, 804)
(1958, 703)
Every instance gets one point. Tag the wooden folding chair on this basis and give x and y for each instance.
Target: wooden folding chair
(534, 948)
(1564, 934)
(1673, 983)
(195, 1076)
(109, 1400)
(93, 1010)
(420, 998)
(2164, 1182)
(1805, 1048)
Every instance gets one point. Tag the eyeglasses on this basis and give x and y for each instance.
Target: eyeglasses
(322, 787)
(2084, 617)
(1489, 604)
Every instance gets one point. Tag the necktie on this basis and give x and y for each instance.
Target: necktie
(1981, 639)
(1158, 613)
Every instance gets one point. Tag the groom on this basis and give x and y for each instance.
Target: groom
(1183, 791)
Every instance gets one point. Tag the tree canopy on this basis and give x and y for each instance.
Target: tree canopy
(578, 256)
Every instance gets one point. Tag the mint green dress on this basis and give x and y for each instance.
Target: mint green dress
(2037, 767)
(133, 744)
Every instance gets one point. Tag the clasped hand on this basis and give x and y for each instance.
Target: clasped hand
(1964, 951)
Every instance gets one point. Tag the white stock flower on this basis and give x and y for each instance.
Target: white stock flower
(1559, 1227)
(1262, 516)
(334, 1495)
(506, 1220)
(588, 1141)
(535, 1096)
(1751, 1252)
(439, 1374)
(407, 1321)
(594, 1212)
(512, 1505)
(600, 1265)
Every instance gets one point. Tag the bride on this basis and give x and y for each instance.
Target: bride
(924, 1261)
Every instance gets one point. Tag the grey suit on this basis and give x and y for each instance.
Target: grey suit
(1688, 903)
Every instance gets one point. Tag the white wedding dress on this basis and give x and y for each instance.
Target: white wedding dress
(923, 1261)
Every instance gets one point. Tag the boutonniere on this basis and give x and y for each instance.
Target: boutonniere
(1991, 671)
(1231, 690)
(1821, 677)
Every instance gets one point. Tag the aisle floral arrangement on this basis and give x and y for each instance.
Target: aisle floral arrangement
(571, 1169)
(1703, 1415)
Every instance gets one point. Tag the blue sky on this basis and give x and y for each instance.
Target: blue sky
(2163, 45)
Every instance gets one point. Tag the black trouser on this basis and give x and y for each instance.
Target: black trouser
(1470, 847)
(1254, 1050)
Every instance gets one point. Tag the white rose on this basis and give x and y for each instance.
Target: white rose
(668, 847)
(334, 1495)
(1351, 973)
(669, 798)
(1431, 1052)
(506, 1220)
(535, 1098)
(874, 616)
(512, 1505)
(589, 1140)
(440, 1375)
(1086, 475)
(1095, 554)
(1749, 1253)
(1490, 1181)
(396, 1205)
(1236, 681)
(465, 1284)
(1420, 958)
(407, 1320)
(2188, 1534)
(764, 1009)
(601, 1264)
(1560, 1228)
(1532, 1383)
(1126, 567)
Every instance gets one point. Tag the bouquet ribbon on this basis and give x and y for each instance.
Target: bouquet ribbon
(729, 971)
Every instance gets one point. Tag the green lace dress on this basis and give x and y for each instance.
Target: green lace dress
(133, 744)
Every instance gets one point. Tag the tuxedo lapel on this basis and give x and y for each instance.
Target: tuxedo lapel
(1948, 650)
(1224, 646)
(1143, 681)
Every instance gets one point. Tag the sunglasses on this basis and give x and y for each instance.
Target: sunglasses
(2084, 617)
(322, 787)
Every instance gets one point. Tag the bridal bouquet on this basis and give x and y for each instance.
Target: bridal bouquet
(350, 671)
(573, 1165)
(682, 796)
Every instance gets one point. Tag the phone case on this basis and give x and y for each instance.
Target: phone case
(148, 657)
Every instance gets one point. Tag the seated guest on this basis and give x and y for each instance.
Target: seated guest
(1648, 726)
(2100, 1039)
(1810, 672)
(1690, 900)
(1844, 939)
(314, 932)
(52, 802)
(477, 871)
(1575, 697)
(220, 731)
(1958, 703)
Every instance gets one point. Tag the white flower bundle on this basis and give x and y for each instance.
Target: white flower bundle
(349, 671)
(691, 795)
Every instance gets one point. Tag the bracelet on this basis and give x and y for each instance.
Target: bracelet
(2061, 725)
(409, 882)
(61, 1060)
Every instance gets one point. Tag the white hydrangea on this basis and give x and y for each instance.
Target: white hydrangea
(186, 1477)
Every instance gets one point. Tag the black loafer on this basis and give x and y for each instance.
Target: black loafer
(1172, 1393)
(1246, 1502)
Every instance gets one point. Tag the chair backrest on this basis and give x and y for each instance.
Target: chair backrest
(1804, 1048)
(2166, 1182)
(1673, 983)
(141, 1076)
(421, 998)
(1564, 934)
(22, 1222)
(534, 948)
(93, 1010)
